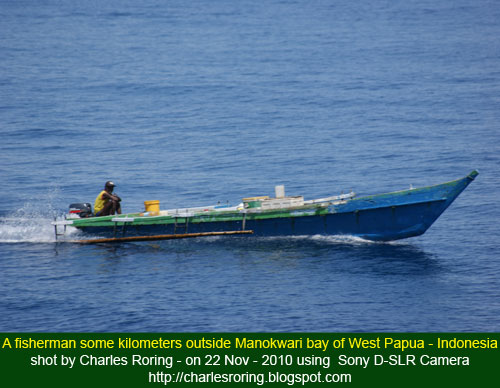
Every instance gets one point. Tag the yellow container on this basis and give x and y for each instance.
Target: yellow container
(152, 206)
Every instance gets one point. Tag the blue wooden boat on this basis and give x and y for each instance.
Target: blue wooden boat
(381, 217)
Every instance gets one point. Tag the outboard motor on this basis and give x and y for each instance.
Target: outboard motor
(82, 210)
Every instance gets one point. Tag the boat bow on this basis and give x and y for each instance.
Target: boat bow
(401, 214)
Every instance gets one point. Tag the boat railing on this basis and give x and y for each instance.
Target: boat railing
(341, 197)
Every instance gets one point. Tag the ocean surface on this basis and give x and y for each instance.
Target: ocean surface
(196, 102)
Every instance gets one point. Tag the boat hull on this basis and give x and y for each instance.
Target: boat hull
(382, 217)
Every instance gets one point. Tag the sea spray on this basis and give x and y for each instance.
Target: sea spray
(32, 222)
(28, 228)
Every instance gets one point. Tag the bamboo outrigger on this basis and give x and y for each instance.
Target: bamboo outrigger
(161, 237)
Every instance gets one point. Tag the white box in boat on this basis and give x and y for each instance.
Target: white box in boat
(282, 203)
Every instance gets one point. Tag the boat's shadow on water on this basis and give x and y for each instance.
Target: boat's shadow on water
(348, 254)
(337, 254)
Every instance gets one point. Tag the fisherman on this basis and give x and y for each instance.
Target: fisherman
(107, 203)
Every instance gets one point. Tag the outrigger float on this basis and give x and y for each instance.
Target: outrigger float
(381, 217)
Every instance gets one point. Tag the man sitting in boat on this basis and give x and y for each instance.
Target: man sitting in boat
(107, 203)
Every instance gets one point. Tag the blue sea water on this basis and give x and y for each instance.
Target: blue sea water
(195, 102)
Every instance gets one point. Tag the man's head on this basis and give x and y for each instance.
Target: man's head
(109, 186)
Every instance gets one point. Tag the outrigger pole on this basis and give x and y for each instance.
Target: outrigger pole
(161, 237)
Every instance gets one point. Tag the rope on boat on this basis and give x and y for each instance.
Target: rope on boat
(161, 237)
